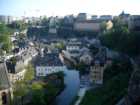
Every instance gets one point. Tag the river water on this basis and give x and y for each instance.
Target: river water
(72, 83)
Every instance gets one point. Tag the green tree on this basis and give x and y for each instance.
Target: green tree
(5, 40)
(20, 25)
(37, 94)
(81, 67)
(30, 73)
(60, 45)
(20, 90)
(103, 26)
(121, 39)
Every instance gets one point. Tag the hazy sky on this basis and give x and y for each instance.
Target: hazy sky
(64, 7)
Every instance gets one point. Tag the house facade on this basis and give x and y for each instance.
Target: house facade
(87, 25)
(16, 70)
(73, 47)
(96, 72)
(48, 64)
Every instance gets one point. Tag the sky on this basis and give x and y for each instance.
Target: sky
(66, 7)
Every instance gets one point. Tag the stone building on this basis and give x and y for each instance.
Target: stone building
(5, 87)
(133, 96)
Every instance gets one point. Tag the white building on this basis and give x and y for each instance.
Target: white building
(48, 64)
(6, 19)
(73, 44)
(3, 19)
(46, 70)
(73, 47)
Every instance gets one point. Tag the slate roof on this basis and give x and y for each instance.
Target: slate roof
(48, 60)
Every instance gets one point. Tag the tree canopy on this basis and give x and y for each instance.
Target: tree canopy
(5, 40)
(119, 38)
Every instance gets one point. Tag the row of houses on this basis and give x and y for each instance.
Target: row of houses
(13, 69)
(80, 23)
(97, 63)
(94, 24)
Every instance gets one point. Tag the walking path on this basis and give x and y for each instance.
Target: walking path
(121, 102)
(81, 94)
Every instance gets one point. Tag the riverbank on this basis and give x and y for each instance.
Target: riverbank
(60, 86)
(44, 90)
(72, 83)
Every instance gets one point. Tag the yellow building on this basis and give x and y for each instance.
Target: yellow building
(96, 72)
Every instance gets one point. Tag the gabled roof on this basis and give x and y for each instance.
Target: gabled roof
(48, 60)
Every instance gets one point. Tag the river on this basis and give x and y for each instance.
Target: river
(72, 83)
